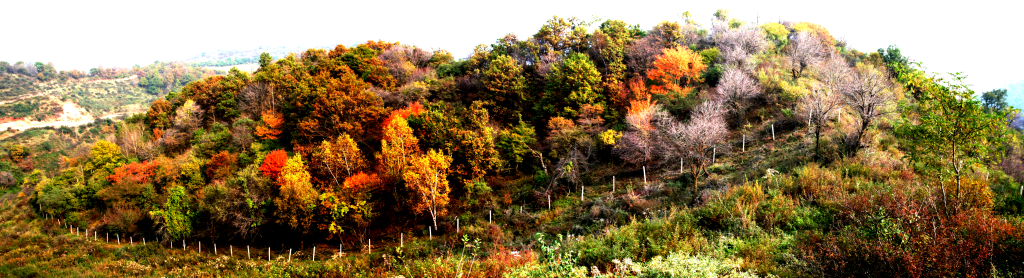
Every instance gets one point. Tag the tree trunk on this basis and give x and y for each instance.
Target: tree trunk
(817, 142)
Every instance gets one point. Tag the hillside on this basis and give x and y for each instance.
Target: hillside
(584, 150)
(39, 96)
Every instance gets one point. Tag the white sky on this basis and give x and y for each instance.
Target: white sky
(980, 37)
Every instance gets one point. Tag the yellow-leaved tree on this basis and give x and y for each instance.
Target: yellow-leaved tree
(427, 176)
(298, 198)
(398, 148)
(339, 158)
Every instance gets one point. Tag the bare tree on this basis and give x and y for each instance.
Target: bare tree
(870, 96)
(694, 141)
(805, 49)
(825, 99)
(131, 138)
(641, 53)
(640, 144)
(735, 88)
(256, 98)
(738, 44)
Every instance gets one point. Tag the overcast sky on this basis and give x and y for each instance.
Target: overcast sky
(979, 38)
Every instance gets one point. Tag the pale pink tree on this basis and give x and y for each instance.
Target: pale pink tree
(870, 96)
(695, 141)
(826, 97)
(735, 88)
(739, 44)
(805, 49)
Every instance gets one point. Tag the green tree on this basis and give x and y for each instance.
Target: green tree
(951, 133)
(265, 59)
(504, 78)
(177, 216)
(577, 80)
(995, 101)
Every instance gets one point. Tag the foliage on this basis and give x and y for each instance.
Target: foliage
(676, 71)
(274, 163)
(177, 215)
(427, 177)
(298, 197)
(951, 134)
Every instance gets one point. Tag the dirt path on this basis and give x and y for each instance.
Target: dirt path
(71, 115)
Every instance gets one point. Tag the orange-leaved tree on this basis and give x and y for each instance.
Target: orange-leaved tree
(271, 127)
(427, 176)
(676, 71)
(273, 164)
(222, 165)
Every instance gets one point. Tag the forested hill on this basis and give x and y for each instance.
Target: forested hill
(38, 95)
(603, 149)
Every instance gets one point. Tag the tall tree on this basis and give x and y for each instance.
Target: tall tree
(951, 133)
(870, 97)
(298, 198)
(428, 178)
(398, 148)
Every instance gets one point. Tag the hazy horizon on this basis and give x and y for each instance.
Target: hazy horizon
(80, 35)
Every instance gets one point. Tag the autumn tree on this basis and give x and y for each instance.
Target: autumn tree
(572, 146)
(222, 165)
(639, 143)
(104, 158)
(870, 97)
(349, 203)
(332, 101)
(398, 147)
(271, 127)
(135, 172)
(427, 176)
(273, 163)
(159, 114)
(676, 71)
(187, 119)
(339, 158)
(298, 198)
